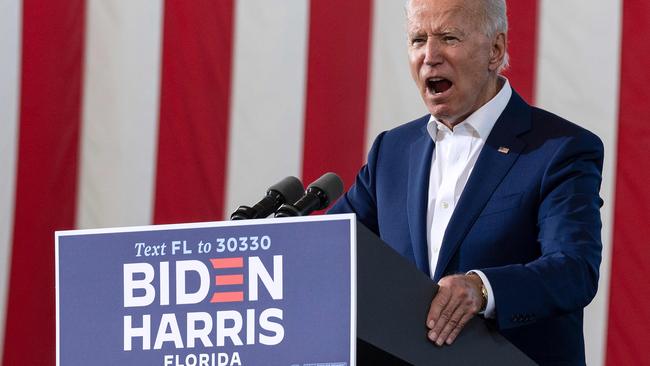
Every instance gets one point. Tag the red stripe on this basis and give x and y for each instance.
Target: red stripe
(629, 313)
(227, 262)
(522, 46)
(227, 297)
(337, 88)
(46, 187)
(224, 280)
(194, 110)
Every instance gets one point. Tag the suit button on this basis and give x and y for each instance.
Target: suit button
(516, 318)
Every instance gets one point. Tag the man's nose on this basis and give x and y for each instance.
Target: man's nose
(432, 55)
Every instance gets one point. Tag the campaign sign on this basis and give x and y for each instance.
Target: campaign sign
(258, 292)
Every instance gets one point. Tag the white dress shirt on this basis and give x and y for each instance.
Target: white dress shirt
(452, 162)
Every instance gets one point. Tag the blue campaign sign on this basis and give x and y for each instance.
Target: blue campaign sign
(260, 292)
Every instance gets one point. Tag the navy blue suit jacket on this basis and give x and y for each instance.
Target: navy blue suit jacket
(528, 218)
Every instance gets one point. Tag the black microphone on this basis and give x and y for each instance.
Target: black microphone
(318, 195)
(288, 189)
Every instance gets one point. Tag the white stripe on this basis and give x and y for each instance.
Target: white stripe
(10, 22)
(268, 97)
(120, 113)
(578, 78)
(394, 99)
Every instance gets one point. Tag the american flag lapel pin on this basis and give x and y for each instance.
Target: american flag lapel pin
(503, 150)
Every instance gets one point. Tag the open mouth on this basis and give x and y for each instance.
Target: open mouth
(438, 85)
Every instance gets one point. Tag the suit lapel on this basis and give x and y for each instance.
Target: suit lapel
(492, 165)
(417, 197)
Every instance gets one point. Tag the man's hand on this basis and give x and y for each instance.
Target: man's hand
(458, 299)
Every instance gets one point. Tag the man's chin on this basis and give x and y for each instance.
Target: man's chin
(441, 113)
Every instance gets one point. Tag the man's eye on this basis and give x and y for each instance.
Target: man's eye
(450, 39)
(417, 40)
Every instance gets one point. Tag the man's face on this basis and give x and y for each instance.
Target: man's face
(453, 62)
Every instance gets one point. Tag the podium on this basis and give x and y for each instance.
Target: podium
(175, 295)
(393, 299)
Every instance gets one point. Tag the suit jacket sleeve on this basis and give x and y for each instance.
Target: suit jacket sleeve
(565, 277)
(361, 199)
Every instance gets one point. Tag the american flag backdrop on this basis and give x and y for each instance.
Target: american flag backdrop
(119, 113)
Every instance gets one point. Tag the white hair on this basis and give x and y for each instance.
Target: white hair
(495, 20)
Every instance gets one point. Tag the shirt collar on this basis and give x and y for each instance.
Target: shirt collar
(484, 118)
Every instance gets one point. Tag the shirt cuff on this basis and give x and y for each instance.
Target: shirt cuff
(490, 311)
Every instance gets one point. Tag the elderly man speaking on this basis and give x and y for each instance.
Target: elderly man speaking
(496, 200)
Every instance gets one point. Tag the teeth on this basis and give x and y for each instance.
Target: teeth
(438, 85)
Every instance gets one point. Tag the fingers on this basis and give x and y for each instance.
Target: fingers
(439, 302)
(452, 324)
(456, 302)
(456, 331)
(448, 316)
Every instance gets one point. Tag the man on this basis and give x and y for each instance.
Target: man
(496, 200)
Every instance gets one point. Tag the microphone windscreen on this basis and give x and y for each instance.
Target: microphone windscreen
(331, 184)
(290, 188)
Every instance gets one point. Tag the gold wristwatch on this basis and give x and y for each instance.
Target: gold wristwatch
(484, 293)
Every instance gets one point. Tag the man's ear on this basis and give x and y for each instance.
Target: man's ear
(498, 51)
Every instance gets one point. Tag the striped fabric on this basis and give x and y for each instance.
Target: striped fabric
(118, 113)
